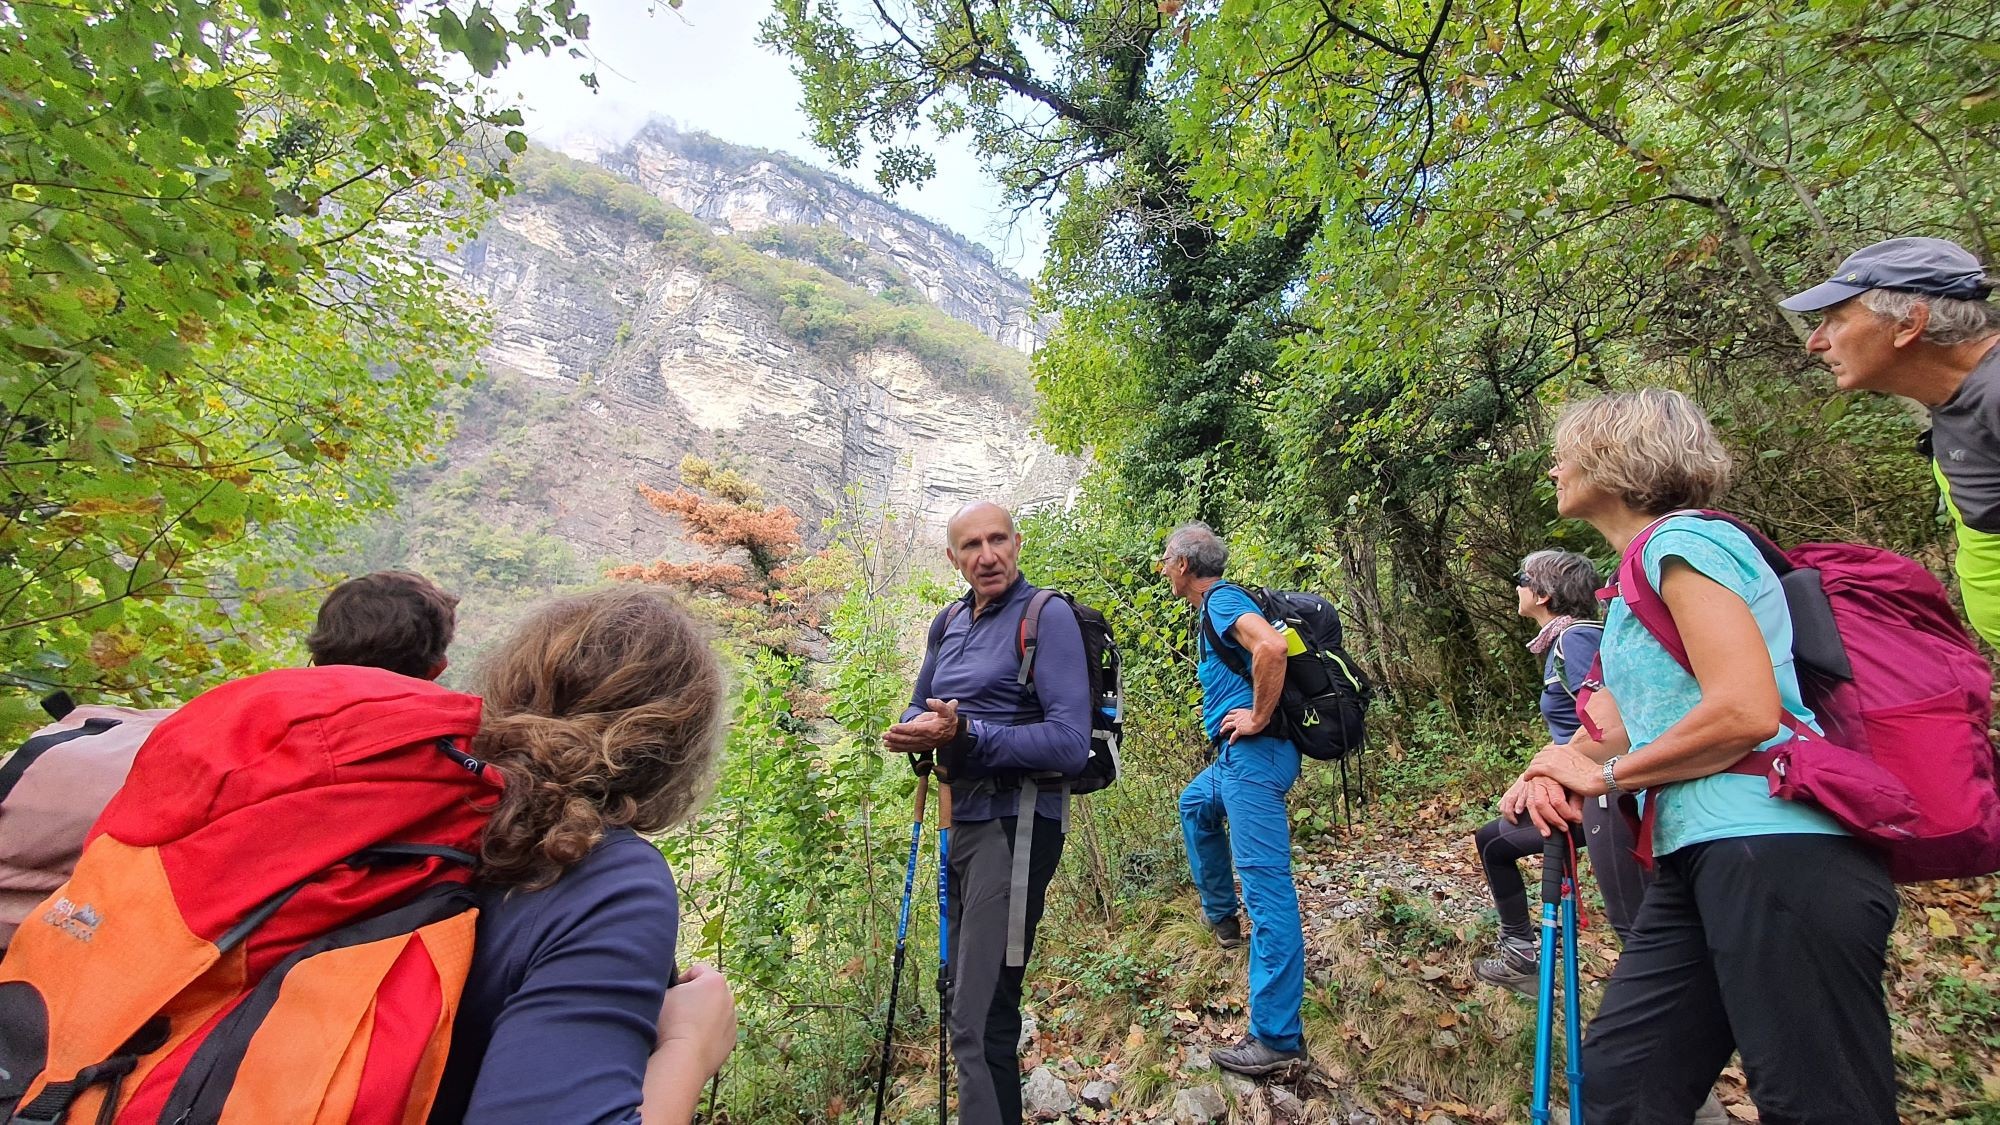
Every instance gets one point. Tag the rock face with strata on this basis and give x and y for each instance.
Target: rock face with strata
(747, 190)
(643, 359)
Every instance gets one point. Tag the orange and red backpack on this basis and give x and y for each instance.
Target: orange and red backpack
(271, 920)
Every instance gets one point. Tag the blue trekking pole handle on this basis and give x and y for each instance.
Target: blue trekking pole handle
(1554, 854)
(1572, 1014)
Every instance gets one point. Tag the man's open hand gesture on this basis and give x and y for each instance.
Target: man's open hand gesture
(925, 732)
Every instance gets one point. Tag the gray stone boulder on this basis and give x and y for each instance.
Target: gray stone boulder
(1046, 1096)
(1200, 1106)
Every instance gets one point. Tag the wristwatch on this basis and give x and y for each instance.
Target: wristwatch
(1610, 774)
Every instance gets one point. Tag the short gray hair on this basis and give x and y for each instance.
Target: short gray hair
(1953, 320)
(1567, 579)
(1204, 550)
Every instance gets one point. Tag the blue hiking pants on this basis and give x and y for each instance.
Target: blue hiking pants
(1233, 816)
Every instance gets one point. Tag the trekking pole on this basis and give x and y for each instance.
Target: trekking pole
(902, 935)
(1554, 854)
(944, 945)
(1572, 1016)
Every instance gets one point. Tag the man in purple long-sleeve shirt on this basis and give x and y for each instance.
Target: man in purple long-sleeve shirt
(993, 733)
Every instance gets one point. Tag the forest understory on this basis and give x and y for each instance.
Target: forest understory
(1395, 912)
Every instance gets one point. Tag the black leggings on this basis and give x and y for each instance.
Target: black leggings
(1613, 863)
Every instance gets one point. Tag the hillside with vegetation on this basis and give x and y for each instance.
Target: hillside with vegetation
(628, 334)
(1323, 276)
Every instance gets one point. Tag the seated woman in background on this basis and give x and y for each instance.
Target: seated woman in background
(1766, 928)
(1557, 590)
(602, 713)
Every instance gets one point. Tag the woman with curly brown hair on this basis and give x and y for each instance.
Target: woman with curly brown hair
(601, 714)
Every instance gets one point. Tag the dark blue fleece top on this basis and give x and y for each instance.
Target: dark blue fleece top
(561, 1009)
(1042, 727)
(1562, 679)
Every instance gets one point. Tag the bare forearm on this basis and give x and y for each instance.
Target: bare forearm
(1708, 740)
(1267, 681)
(674, 1079)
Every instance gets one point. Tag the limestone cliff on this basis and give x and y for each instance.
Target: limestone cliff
(808, 335)
(747, 190)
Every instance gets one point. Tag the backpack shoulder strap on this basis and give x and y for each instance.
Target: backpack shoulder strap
(1229, 659)
(1651, 611)
(1645, 602)
(34, 748)
(1637, 592)
(1562, 662)
(1031, 624)
(943, 621)
(1593, 682)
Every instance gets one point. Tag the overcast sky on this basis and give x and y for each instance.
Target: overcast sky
(702, 68)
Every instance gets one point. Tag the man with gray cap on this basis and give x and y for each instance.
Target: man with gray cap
(1910, 317)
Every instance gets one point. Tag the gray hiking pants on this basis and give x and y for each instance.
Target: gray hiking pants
(985, 993)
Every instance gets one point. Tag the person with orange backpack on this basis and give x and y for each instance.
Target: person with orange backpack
(54, 786)
(275, 918)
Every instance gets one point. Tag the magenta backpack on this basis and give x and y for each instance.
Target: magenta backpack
(1900, 690)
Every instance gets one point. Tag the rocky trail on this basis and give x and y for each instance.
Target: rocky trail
(1400, 1030)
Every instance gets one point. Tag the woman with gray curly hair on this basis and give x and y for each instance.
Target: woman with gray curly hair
(1557, 590)
(602, 714)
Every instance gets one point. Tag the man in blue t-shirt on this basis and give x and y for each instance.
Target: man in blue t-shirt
(1235, 808)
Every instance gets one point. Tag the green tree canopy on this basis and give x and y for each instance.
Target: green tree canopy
(1324, 271)
(219, 334)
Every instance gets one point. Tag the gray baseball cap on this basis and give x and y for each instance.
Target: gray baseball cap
(1934, 267)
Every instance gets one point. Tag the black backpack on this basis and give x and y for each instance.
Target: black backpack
(1107, 684)
(1323, 710)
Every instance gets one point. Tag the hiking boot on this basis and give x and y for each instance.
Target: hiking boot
(1255, 1058)
(1513, 966)
(1711, 1112)
(1228, 931)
